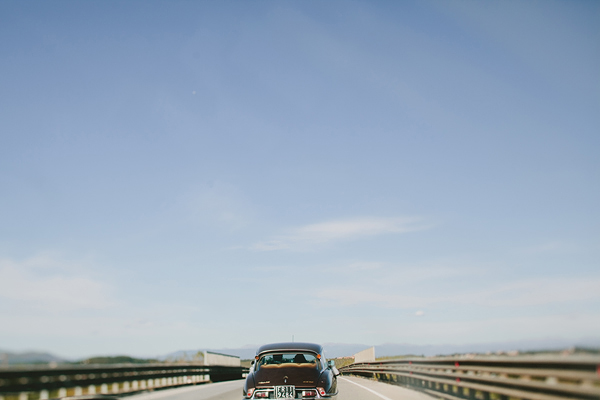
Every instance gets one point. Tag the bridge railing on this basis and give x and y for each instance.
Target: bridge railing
(47, 383)
(487, 378)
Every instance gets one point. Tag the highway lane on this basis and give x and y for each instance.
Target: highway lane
(354, 388)
(231, 390)
(350, 388)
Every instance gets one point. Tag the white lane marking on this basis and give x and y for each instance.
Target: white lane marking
(366, 388)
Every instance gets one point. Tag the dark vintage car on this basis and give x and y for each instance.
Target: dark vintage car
(291, 371)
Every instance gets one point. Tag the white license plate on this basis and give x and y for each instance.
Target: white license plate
(285, 392)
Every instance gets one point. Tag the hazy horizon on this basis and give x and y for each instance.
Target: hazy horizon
(348, 349)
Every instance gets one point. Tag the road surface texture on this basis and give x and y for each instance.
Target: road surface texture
(351, 388)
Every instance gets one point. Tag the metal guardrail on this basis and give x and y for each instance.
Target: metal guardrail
(487, 378)
(46, 383)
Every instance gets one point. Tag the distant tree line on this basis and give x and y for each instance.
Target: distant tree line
(118, 360)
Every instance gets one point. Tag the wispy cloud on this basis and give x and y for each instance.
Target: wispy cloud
(43, 282)
(524, 293)
(363, 266)
(552, 248)
(218, 203)
(305, 237)
(425, 330)
(535, 292)
(355, 296)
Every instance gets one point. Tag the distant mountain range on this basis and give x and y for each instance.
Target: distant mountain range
(522, 346)
(29, 357)
(333, 350)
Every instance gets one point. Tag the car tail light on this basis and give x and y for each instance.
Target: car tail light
(321, 391)
(262, 395)
(250, 391)
(309, 393)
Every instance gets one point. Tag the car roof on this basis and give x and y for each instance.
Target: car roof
(291, 346)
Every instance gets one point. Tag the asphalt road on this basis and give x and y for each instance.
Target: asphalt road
(350, 388)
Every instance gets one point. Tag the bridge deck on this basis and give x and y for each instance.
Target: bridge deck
(351, 388)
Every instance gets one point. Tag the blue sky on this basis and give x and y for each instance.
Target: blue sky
(180, 175)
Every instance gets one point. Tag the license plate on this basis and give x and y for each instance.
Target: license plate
(285, 392)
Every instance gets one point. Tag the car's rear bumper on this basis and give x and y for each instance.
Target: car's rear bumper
(299, 396)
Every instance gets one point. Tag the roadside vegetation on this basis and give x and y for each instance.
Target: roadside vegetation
(118, 360)
(512, 353)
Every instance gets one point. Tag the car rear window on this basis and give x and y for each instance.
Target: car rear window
(300, 359)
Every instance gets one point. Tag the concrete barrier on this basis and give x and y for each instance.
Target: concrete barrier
(367, 355)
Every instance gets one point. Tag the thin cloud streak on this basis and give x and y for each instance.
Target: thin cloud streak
(349, 297)
(526, 293)
(47, 284)
(536, 292)
(322, 233)
(554, 247)
(424, 330)
(217, 204)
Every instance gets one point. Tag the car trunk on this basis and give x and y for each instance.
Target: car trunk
(299, 375)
